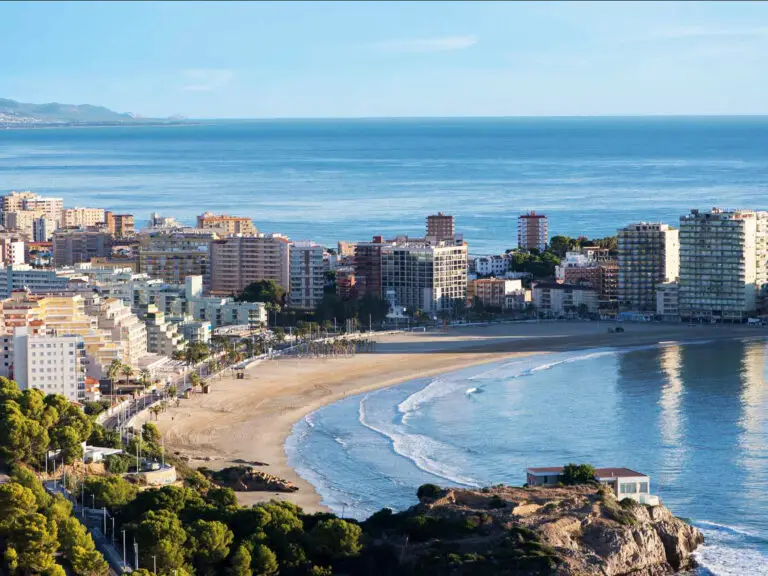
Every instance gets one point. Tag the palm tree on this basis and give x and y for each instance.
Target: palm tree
(146, 377)
(113, 372)
(127, 371)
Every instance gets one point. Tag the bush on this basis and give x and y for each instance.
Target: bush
(578, 474)
(497, 502)
(117, 463)
(428, 491)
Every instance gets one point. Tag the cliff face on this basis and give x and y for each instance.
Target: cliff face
(580, 530)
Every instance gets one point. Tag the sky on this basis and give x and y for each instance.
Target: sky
(388, 59)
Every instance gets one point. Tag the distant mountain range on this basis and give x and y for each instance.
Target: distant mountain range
(13, 113)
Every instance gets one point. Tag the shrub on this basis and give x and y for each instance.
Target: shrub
(497, 501)
(578, 474)
(428, 491)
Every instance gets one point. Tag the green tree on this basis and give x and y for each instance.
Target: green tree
(24, 476)
(127, 371)
(267, 291)
(240, 563)
(78, 547)
(9, 390)
(33, 539)
(161, 534)
(150, 433)
(16, 501)
(264, 561)
(578, 474)
(110, 491)
(210, 542)
(70, 443)
(335, 538)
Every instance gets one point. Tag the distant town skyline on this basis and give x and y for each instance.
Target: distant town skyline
(389, 59)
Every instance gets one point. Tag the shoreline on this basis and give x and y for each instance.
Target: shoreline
(251, 419)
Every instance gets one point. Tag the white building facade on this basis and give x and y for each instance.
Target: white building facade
(307, 275)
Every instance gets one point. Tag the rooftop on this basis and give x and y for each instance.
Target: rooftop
(599, 472)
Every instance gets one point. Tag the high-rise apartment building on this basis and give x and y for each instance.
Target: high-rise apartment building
(440, 226)
(239, 261)
(12, 250)
(368, 267)
(722, 263)
(172, 256)
(307, 275)
(229, 225)
(43, 229)
(73, 245)
(52, 364)
(424, 275)
(23, 221)
(649, 255)
(82, 217)
(532, 231)
(120, 225)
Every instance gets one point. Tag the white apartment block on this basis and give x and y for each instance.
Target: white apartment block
(163, 337)
(562, 299)
(43, 229)
(11, 251)
(115, 316)
(493, 292)
(307, 275)
(82, 217)
(52, 364)
(497, 265)
(649, 254)
(722, 263)
(22, 221)
(425, 276)
(30, 201)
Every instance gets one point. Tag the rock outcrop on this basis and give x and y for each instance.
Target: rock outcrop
(248, 479)
(578, 530)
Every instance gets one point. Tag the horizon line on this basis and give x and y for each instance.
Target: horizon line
(476, 117)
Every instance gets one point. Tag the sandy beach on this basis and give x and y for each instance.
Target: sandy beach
(250, 419)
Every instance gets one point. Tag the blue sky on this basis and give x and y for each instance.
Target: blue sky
(350, 59)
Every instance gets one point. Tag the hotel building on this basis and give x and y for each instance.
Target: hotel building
(307, 275)
(240, 261)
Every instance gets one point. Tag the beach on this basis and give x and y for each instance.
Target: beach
(250, 419)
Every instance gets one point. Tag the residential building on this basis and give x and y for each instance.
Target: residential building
(43, 229)
(29, 201)
(157, 222)
(23, 221)
(424, 275)
(440, 227)
(12, 250)
(307, 275)
(346, 250)
(649, 254)
(532, 231)
(195, 331)
(52, 364)
(73, 245)
(114, 316)
(228, 225)
(722, 264)
(493, 292)
(368, 266)
(346, 283)
(120, 225)
(163, 337)
(173, 255)
(593, 269)
(240, 261)
(37, 281)
(624, 483)
(82, 217)
(496, 265)
(668, 301)
(561, 299)
(520, 300)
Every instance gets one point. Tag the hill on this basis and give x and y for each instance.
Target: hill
(13, 113)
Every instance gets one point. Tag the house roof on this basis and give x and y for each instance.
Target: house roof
(599, 472)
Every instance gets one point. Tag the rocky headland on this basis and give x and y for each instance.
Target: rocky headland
(559, 531)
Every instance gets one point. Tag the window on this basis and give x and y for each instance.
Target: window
(643, 488)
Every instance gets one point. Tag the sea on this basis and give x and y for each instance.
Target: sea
(692, 416)
(330, 180)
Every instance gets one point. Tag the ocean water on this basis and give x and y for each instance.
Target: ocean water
(350, 179)
(694, 417)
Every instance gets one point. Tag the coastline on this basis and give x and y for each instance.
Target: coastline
(251, 419)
